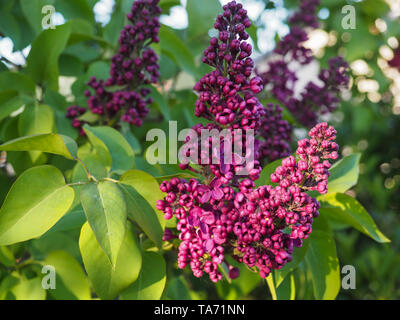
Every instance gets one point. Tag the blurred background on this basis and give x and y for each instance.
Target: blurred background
(367, 121)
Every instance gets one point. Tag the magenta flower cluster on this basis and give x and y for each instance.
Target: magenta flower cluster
(273, 220)
(315, 100)
(226, 98)
(258, 227)
(124, 96)
(223, 214)
(227, 94)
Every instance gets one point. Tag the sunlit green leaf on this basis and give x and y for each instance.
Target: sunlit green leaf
(151, 282)
(342, 208)
(109, 281)
(35, 202)
(105, 209)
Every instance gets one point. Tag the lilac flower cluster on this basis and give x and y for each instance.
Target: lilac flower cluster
(319, 100)
(227, 94)
(274, 220)
(258, 227)
(226, 98)
(306, 16)
(315, 100)
(134, 66)
(223, 214)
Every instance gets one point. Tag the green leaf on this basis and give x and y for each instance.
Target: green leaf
(297, 257)
(151, 282)
(36, 119)
(108, 281)
(100, 149)
(71, 274)
(93, 162)
(106, 212)
(252, 31)
(75, 9)
(131, 138)
(26, 34)
(9, 25)
(3, 67)
(29, 290)
(323, 263)
(344, 174)
(114, 26)
(142, 213)
(18, 82)
(59, 105)
(201, 16)
(166, 5)
(240, 287)
(70, 65)
(147, 186)
(55, 241)
(271, 285)
(9, 102)
(35, 202)
(32, 10)
(50, 142)
(74, 219)
(8, 283)
(89, 117)
(42, 62)
(161, 103)
(177, 51)
(341, 208)
(7, 257)
(177, 289)
(99, 69)
(287, 290)
(121, 152)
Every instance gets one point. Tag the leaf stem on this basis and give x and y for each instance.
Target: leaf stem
(86, 170)
(76, 183)
(112, 180)
(271, 285)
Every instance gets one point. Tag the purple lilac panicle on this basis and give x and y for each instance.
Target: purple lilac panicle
(266, 212)
(227, 99)
(134, 66)
(316, 99)
(223, 214)
(250, 224)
